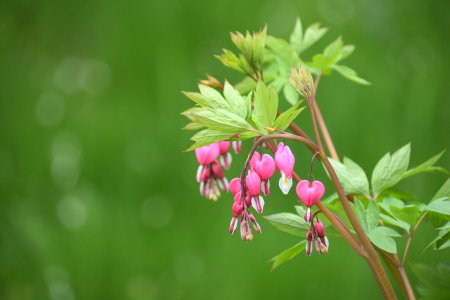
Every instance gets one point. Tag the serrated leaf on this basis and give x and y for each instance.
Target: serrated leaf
(208, 136)
(441, 205)
(382, 238)
(265, 105)
(406, 214)
(424, 166)
(283, 120)
(312, 34)
(221, 119)
(349, 74)
(229, 59)
(289, 223)
(235, 100)
(287, 255)
(390, 169)
(352, 177)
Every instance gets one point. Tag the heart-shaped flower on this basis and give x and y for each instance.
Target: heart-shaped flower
(310, 193)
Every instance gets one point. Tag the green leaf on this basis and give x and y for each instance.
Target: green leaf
(441, 205)
(229, 59)
(265, 105)
(351, 176)
(339, 211)
(443, 242)
(245, 85)
(382, 238)
(406, 214)
(346, 51)
(221, 119)
(290, 94)
(372, 215)
(333, 51)
(442, 234)
(444, 191)
(290, 223)
(436, 218)
(446, 226)
(394, 222)
(208, 136)
(361, 213)
(349, 74)
(424, 166)
(287, 255)
(390, 169)
(312, 34)
(193, 126)
(296, 37)
(283, 120)
(236, 102)
(435, 281)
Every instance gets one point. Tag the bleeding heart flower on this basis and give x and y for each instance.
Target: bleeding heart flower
(264, 166)
(225, 156)
(285, 160)
(310, 193)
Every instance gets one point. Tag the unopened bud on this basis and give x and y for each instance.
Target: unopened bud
(212, 82)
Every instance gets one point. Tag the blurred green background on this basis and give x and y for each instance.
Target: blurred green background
(98, 201)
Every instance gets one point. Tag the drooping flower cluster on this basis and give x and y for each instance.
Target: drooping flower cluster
(317, 235)
(257, 180)
(210, 173)
(310, 193)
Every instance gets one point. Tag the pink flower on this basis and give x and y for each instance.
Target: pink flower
(309, 194)
(321, 234)
(225, 156)
(264, 166)
(253, 185)
(309, 239)
(285, 160)
(210, 173)
(235, 186)
(207, 154)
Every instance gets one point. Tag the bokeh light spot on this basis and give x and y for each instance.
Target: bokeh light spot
(72, 212)
(50, 109)
(156, 212)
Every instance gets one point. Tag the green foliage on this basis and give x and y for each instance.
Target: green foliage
(435, 282)
(284, 119)
(287, 255)
(425, 166)
(352, 177)
(290, 223)
(390, 169)
(382, 238)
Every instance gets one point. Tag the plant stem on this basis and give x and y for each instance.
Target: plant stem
(410, 236)
(340, 226)
(322, 125)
